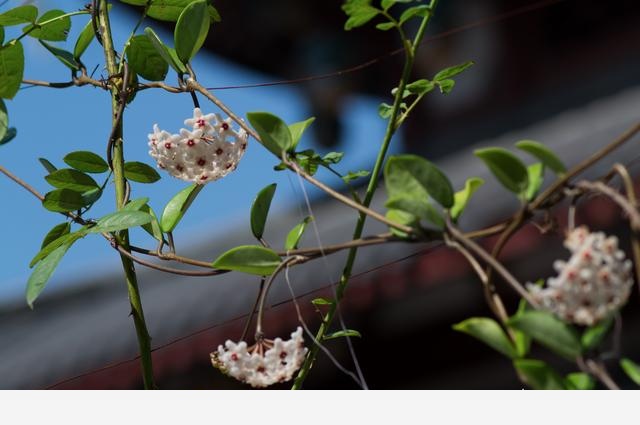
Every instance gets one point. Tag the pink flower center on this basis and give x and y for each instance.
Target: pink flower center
(219, 151)
(201, 162)
(201, 122)
(225, 126)
(191, 143)
(167, 145)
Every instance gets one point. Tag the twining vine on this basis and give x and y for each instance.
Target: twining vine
(571, 314)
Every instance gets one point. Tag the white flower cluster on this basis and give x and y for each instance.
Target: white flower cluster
(258, 368)
(594, 282)
(209, 152)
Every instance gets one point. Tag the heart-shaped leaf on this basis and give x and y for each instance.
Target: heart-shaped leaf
(250, 259)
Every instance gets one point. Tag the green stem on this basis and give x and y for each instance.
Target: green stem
(371, 189)
(144, 340)
(47, 22)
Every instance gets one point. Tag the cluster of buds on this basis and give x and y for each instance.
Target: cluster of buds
(595, 282)
(266, 363)
(207, 153)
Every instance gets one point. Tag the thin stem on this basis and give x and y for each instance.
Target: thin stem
(598, 370)
(265, 290)
(371, 189)
(561, 182)
(245, 331)
(630, 209)
(622, 171)
(488, 259)
(144, 340)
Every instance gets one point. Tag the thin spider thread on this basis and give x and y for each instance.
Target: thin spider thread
(343, 326)
(308, 293)
(361, 384)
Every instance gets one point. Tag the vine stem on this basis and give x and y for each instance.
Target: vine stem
(116, 140)
(371, 189)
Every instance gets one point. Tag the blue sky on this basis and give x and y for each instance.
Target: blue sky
(52, 123)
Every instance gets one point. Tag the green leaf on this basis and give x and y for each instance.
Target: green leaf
(549, 331)
(140, 172)
(11, 69)
(120, 220)
(170, 10)
(352, 175)
(506, 167)
(9, 135)
(386, 4)
(360, 12)
(84, 40)
(544, 154)
(260, 210)
(19, 15)
(135, 205)
(401, 217)
(452, 71)
(593, 336)
(43, 271)
(86, 161)
(632, 369)
(250, 259)
(446, 86)
(488, 331)
(297, 129)
(385, 110)
(153, 227)
(274, 133)
(294, 236)
(414, 177)
(418, 87)
(1, 35)
(57, 231)
(91, 196)
(56, 30)
(385, 26)
(62, 55)
(461, 198)
(47, 165)
(191, 30)
(421, 11)
(321, 301)
(333, 157)
(579, 381)
(167, 53)
(421, 208)
(66, 239)
(521, 340)
(63, 200)
(177, 206)
(145, 60)
(68, 178)
(342, 334)
(536, 178)
(538, 375)
(4, 120)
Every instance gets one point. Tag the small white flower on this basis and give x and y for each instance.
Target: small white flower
(260, 368)
(595, 282)
(208, 153)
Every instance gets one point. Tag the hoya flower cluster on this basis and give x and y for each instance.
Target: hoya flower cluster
(260, 368)
(211, 150)
(593, 283)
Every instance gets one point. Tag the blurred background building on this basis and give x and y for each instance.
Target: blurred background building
(561, 72)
